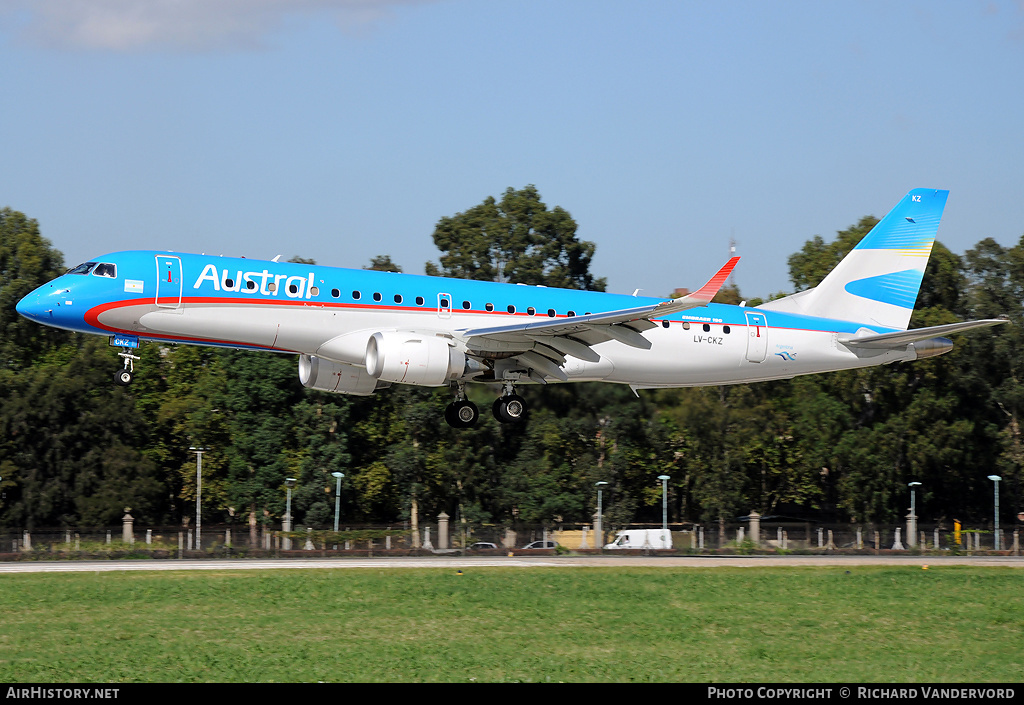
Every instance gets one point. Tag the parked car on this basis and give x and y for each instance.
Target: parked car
(484, 546)
(541, 544)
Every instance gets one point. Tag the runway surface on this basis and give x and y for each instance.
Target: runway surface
(451, 562)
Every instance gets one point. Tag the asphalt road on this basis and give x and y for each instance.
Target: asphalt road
(465, 562)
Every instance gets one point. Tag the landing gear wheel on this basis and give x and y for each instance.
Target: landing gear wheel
(461, 414)
(509, 409)
(123, 377)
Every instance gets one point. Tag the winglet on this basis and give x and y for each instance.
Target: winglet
(703, 295)
(708, 291)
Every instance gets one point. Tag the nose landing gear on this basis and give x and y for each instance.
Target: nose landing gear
(123, 376)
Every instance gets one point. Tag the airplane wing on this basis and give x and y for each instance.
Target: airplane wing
(903, 337)
(542, 345)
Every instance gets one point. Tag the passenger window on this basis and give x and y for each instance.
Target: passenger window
(377, 296)
(250, 284)
(356, 295)
(686, 325)
(229, 283)
(398, 298)
(314, 291)
(465, 305)
(551, 313)
(511, 308)
(445, 304)
(726, 329)
(707, 328)
(419, 300)
(489, 307)
(335, 293)
(570, 314)
(272, 287)
(664, 324)
(293, 289)
(532, 311)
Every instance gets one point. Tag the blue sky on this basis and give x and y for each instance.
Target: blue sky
(344, 129)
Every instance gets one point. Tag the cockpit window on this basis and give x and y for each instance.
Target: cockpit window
(82, 268)
(104, 269)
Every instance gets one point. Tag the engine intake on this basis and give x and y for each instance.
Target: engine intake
(413, 358)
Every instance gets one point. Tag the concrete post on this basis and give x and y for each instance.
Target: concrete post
(308, 546)
(26, 543)
(878, 541)
(583, 539)
(897, 545)
(821, 541)
(701, 539)
(510, 538)
(442, 530)
(426, 539)
(127, 535)
(778, 537)
(598, 530)
(1016, 542)
(149, 537)
(755, 528)
(911, 529)
(739, 535)
(227, 538)
(860, 539)
(935, 539)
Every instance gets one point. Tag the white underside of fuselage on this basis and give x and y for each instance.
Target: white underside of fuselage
(679, 356)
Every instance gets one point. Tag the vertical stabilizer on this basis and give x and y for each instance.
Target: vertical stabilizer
(877, 283)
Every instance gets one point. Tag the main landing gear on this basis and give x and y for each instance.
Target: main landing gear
(462, 413)
(124, 375)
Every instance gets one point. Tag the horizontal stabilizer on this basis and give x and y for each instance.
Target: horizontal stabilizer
(903, 337)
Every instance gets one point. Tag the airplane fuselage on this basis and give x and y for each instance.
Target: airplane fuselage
(298, 308)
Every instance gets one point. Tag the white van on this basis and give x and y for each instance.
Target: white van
(642, 538)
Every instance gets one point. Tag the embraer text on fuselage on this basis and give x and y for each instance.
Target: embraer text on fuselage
(263, 283)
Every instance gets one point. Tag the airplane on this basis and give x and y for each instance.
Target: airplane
(358, 331)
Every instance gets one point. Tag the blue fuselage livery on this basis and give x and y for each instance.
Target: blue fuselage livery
(357, 330)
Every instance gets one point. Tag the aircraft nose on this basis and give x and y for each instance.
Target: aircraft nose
(33, 307)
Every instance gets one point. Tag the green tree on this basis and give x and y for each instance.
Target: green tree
(27, 261)
(515, 239)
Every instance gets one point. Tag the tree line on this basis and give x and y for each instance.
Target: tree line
(76, 450)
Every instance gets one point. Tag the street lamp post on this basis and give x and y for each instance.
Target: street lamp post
(600, 520)
(664, 501)
(199, 450)
(337, 499)
(912, 528)
(995, 480)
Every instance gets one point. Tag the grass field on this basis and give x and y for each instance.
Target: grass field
(865, 624)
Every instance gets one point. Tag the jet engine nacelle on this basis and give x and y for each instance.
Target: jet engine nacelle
(413, 358)
(329, 376)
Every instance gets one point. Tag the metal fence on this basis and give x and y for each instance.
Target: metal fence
(440, 536)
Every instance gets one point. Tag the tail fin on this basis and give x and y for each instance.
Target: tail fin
(877, 283)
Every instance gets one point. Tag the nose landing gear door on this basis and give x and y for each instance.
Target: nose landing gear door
(168, 281)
